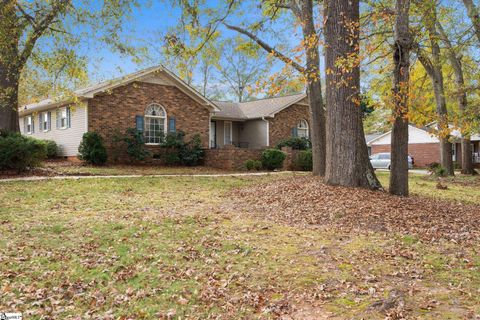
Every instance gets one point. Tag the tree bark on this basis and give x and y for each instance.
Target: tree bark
(303, 11)
(435, 71)
(9, 66)
(401, 75)
(467, 161)
(314, 87)
(347, 161)
(473, 14)
(9, 82)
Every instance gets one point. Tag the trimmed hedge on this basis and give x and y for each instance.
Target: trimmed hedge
(273, 159)
(253, 165)
(304, 160)
(92, 149)
(51, 148)
(20, 153)
(296, 143)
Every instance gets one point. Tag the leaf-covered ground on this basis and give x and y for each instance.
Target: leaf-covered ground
(196, 248)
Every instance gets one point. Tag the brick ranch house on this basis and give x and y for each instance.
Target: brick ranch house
(424, 147)
(155, 101)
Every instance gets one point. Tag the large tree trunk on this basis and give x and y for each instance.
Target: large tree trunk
(9, 80)
(435, 72)
(9, 66)
(467, 161)
(347, 161)
(314, 88)
(401, 75)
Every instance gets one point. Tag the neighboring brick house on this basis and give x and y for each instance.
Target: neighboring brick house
(155, 102)
(424, 147)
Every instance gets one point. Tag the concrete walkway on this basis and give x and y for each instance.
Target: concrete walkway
(220, 175)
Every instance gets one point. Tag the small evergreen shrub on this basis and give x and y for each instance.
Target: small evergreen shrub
(135, 145)
(272, 159)
(177, 151)
(257, 165)
(253, 165)
(304, 160)
(192, 153)
(92, 149)
(51, 148)
(296, 143)
(20, 153)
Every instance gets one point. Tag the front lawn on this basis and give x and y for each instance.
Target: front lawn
(459, 188)
(147, 248)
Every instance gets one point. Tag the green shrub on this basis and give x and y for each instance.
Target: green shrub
(253, 165)
(177, 151)
(20, 153)
(437, 170)
(192, 153)
(51, 148)
(257, 165)
(304, 160)
(296, 143)
(135, 145)
(91, 149)
(272, 159)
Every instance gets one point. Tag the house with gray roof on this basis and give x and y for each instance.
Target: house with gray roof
(156, 102)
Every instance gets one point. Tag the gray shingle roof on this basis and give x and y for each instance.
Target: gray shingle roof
(256, 109)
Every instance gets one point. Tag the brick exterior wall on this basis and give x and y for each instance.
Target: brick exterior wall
(116, 110)
(232, 158)
(280, 126)
(422, 153)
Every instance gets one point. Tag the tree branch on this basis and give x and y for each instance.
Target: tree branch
(267, 47)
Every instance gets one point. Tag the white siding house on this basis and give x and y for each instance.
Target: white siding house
(65, 126)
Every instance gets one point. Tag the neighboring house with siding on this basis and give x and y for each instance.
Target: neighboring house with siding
(424, 146)
(156, 102)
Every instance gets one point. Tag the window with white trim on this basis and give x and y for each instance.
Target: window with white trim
(155, 124)
(28, 122)
(63, 118)
(45, 123)
(302, 129)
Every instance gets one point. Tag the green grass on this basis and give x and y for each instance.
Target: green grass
(460, 188)
(148, 248)
(71, 168)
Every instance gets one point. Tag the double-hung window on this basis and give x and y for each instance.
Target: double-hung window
(63, 118)
(155, 124)
(28, 124)
(45, 121)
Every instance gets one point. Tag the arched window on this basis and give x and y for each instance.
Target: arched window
(155, 124)
(302, 129)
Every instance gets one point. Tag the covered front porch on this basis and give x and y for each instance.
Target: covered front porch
(249, 134)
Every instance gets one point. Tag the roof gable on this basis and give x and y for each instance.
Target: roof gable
(415, 135)
(258, 108)
(158, 75)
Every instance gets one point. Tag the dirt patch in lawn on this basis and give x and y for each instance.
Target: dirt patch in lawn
(307, 201)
